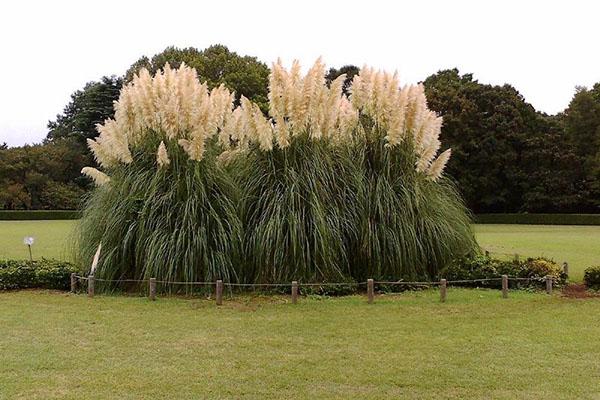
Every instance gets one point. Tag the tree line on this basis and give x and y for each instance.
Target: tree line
(507, 156)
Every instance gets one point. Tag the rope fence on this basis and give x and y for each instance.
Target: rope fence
(295, 285)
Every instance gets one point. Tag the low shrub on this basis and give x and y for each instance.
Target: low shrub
(485, 267)
(43, 274)
(591, 277)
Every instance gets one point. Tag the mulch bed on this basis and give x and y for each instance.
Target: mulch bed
(578, 291)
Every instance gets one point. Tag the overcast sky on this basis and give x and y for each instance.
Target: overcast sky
(49, 49)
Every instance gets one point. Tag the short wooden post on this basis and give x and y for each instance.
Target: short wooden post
(548, 284)
(566, 269)
(152, 289)
(219, 292)
(370, 290)
(516, 257)
(443, 290)
(504, 286)
(487, 253)
(91, 286)
(73, 282)
(294, 292)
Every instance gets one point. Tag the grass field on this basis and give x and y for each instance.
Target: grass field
(51, 238)
(579, 245)
(477, 345)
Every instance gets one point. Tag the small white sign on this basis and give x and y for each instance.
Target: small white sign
(28, 240)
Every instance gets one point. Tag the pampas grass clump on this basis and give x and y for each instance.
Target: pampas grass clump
(326, 187)
(411, 220)
(292, 176)
(165, 207)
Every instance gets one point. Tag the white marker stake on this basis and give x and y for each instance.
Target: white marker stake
(28, 241)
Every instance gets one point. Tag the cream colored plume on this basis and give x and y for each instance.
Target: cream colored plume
(402, 113)
(434, 172)
(162, 157)
(173, 104)
(176, 106)
(297, 105)
(100, 178)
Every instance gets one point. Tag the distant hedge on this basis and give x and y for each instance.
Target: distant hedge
(539, 219)
(39, 274)
(10, 215)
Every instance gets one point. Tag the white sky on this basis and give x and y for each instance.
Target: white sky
(49, 49)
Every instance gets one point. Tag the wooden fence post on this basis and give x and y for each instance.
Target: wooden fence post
(294, 292)
(219, 292)
(548, 284)
(73, 282)
(443, 290)
(566, 269)
(504, 286)
(152, 289)
(91, 286)
(370, 290)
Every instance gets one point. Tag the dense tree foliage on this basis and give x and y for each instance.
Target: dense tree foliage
(506, 156)
(582, 126)
(42, 176)
(88, 107)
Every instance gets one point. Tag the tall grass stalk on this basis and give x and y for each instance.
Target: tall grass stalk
(297, 210)
(408, 226)
(177, 223)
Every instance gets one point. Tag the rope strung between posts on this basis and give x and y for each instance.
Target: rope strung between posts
(476, 280)
(406, 283)
(256, 284)
(185, 283)
(231, 284)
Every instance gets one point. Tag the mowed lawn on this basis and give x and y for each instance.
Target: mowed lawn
(579, 245)
(576, 244)
(477, 345)
(51, 238)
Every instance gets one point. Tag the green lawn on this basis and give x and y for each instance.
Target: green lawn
(579, 245)
(477, 345)
(51, 238)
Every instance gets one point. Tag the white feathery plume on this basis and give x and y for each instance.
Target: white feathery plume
(96, 259)
(401, 113)
(99, 177)
(172, 103)
(435, 170)
(162, 157)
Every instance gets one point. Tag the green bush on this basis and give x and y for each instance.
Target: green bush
(485, 267)
(591, 277)
(43, 274)
(15, 215)
(539, 219)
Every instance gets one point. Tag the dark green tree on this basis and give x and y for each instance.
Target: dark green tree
(553, 174)
(505, 154)
(582, 122)
(582, 125)
(88, 107)
(42, 176)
